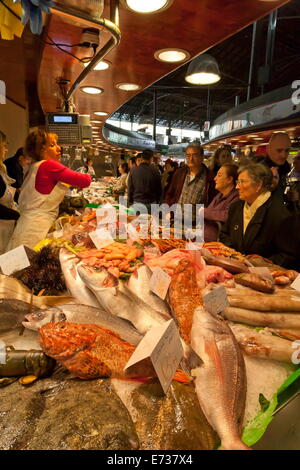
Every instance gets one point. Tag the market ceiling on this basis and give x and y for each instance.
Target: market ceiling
(183, 25)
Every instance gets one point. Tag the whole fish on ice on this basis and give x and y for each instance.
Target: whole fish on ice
(90, 351)
(77, 288)
(221, 381)
(83, 314)
(116, 298)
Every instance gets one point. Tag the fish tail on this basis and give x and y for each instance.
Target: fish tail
(182, 377)
(140, 379)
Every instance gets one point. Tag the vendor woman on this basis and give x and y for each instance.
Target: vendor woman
(43, 189)
(8, 212)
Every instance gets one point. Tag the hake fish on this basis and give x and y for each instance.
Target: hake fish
(77, 288)
(221, 381)
(139, 284)
(83, 314)
(118, 300)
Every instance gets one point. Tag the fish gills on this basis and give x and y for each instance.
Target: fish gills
(221, 380)
(184, 297)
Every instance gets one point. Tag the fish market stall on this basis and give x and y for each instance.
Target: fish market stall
(72, 321)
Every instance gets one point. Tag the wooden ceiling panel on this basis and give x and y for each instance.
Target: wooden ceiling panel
(194, 26)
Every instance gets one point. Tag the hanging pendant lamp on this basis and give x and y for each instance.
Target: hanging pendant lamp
(203, 70)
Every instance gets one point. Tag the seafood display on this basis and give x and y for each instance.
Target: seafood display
(255, 282)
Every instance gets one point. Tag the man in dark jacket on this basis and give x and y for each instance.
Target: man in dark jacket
(277, 154)
(144, 182)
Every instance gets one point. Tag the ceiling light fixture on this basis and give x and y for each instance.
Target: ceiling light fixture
(91, 90)
(203, 70)
(171, 55)
(96, 121)
(128, 86)
(101, 113)
(145, 6)
(102, 65)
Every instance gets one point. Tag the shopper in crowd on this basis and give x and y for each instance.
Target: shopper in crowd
(139, 157)
(292, 191)
(166, 179)
(43, 189)
(16, 167)
(217, 211)
(119, 188)
(8, 212)
(131, 164)
(192, 184)
(89, 167)
(277, 154)
(256, 222)
(182, 164)
(144, 184)
(156, 162)
(221, 156)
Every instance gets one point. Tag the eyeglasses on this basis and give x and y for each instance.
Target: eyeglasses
(242, 182)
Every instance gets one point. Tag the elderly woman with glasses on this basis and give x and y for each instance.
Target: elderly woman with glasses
(256, 222)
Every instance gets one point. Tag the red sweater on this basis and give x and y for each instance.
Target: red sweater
(51, 172)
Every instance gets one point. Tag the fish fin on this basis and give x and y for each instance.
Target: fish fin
(214, 353)
(193, 359)
(182, 377)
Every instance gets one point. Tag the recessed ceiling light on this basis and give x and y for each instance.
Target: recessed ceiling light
(128, 86)
(102, 65)
(101, 113)
(96, 121)
(91, 90)
(146, 6)
(259, 138)
(171, 55)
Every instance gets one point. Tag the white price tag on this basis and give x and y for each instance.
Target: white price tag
(261, 271)
(216, 300)
(160, 282)
(162, 347)
(14, 260)
(296, 283)
(191, 246)
(100, 238)
(132, 233)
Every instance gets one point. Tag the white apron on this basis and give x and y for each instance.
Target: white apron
(38, 211)
(7, 226)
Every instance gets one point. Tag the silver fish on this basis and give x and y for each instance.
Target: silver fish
(83, 314)
(139, 284)
(221, 380)
(118, 300)
(77, 288)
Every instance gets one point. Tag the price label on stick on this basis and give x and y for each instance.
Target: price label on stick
(158, 353)
(262, 272)
(101, 238)
(159, 282)
(14, 260)
(296, 284)
(216, 300)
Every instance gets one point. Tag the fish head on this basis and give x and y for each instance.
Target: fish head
(62, 340)
(100, 278)
(38, 318)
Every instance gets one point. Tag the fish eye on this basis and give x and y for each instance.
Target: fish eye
(62, 326)
(62, 317)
